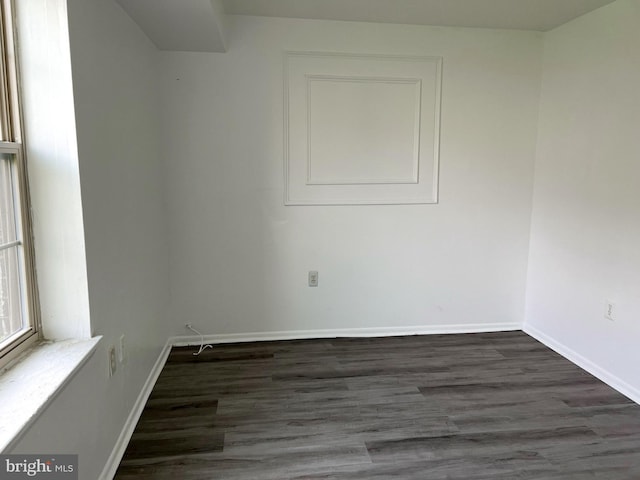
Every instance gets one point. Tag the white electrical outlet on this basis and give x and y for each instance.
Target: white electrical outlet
(313, 278)
(610, 310)
(122, 351)
(113, 363)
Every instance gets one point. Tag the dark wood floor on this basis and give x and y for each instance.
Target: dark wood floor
(469, 407)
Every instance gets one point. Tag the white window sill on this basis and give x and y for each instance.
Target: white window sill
(34, 380)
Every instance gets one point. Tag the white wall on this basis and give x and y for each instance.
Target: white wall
(54, 178)
(239, 258)
(116, 109)
(586, 223)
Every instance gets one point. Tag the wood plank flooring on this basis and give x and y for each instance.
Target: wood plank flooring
(441, 407)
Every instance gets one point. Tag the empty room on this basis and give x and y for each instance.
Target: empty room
(320, 239)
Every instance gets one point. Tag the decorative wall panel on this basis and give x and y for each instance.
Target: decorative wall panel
(361, 129)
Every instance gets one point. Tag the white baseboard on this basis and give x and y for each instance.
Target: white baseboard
(118, 451)
(607, 377)
(109, 470)
(344, 332)
(114, 459)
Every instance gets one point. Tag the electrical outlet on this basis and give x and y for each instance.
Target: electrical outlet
(122, 351)
(313, 278)
(113, 363)
(610, 310)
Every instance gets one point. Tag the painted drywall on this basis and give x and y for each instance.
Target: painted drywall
(586, 225)
(54, 180)
(187, 25)
(116, 110)
(240, 258)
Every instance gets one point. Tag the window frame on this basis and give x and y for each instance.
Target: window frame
(12, 144)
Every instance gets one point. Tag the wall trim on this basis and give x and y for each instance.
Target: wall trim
(186, 340)
(111, 466)
(355, 79)
(604, 375)
(109, 470)
(119, 448)
(299, 186)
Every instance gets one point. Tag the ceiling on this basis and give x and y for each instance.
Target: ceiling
(198, 25)
(540, 15)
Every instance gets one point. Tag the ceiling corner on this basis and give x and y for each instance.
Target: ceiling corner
(180, 25)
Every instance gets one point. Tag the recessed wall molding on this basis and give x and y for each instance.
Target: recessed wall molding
(329, 116)
(361, 129)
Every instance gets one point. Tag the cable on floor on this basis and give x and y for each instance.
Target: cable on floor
(203, 347)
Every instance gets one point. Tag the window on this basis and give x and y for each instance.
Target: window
(18, 305)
